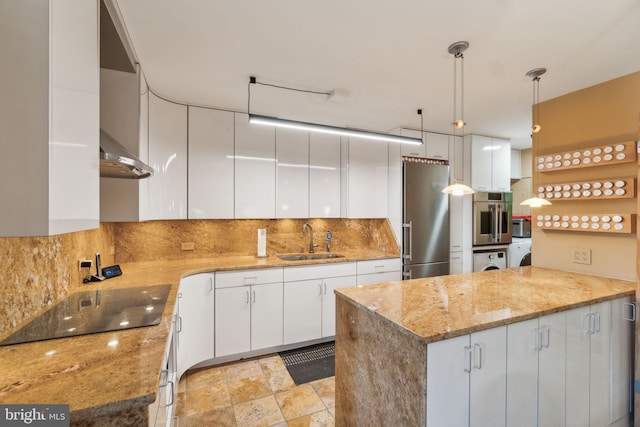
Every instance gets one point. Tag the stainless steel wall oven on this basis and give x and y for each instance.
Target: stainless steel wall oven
(492, 213)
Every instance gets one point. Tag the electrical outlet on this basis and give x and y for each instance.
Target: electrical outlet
(581, 256)
(187, 246)
(84, 263)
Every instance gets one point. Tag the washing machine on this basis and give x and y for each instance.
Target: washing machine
(520, 252)
(490, 259)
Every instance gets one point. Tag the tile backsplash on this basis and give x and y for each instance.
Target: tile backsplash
(39, 271)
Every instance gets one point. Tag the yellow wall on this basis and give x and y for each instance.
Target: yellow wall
(603, 114)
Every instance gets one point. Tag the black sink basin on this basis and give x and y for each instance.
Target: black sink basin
(303, 257)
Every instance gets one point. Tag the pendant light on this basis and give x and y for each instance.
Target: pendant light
(456, 49)
(534, 75)
(535, 202)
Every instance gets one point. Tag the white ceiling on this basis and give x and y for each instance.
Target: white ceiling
(384, 59)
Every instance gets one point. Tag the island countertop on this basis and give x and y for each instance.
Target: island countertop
(437, 308)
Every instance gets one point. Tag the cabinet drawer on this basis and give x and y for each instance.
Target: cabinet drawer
(379, 266)
(227, 279)
(308, 272)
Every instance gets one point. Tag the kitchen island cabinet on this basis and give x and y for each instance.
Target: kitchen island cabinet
(404, 322)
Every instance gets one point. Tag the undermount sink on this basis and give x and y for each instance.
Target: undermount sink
(302, 257)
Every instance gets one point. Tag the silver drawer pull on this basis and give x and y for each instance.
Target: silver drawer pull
(631, 310)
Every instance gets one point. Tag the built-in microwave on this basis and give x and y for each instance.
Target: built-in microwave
(492, 214)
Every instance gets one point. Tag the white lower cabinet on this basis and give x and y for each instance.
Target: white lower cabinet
(466, 380)
(571, 368)
(379, 271)
(599, 364)
(309, 301)
(248, 313)
(161, 411)
(536, 371)
(195, 321)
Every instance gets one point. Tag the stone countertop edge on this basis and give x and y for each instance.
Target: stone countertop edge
(354, 296)
(96, 379)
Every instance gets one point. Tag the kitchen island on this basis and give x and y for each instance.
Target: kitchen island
(389, 339)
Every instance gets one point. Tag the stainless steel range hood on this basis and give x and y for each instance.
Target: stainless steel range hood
(117, 162)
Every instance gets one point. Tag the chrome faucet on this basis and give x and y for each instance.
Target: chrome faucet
(304, 233)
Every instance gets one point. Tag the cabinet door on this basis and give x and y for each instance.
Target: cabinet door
(500, 165)
(292, 173)
(455, 263)
(457, 157)
(488, 378)
(481, 155)
(551, 370)
(367, 179)
(410, 150)
(168, 157)
(210, 163)
(600, 365)
(266, 315)
(437, 146)
(329, 302)
(621, 340)
(255, 170)
(448, 366)
(522, 374)
(232, 320)
(324, 176)
(577, 387)
(302, 311)
(373, 278)
(196, 308)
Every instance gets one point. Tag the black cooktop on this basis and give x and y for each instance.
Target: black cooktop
(89, 312)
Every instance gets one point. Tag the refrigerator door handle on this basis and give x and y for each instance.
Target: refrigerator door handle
(407, 228)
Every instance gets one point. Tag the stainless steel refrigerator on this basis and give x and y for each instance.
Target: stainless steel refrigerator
(425, 220)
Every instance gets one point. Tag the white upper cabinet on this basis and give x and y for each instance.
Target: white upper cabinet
(437, 146)
(410, 150)
(211, 163)
(324, 176)
(49, 116)
(255, 169)
(168, 158)
(365, 179)
(490, 163)
(292, 155)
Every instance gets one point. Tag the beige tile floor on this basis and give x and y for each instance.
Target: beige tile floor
(253, 393)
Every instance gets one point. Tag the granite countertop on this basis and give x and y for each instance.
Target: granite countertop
(437, 308)
(105, 373)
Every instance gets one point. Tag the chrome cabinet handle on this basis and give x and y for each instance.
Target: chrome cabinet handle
(538, 334)
(325, 287)
(632, 311)
(247, 295)
(479, 347)
(254, 296)
(597, 322)
(171, 394)
(178, 324)
(546, 337)
(467, 367)
(210, 284)
(320, 288)
(408, 229)
(164, 378)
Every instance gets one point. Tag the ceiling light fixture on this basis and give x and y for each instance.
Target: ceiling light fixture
(456, 49)
(534, 75)
(315, 127)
